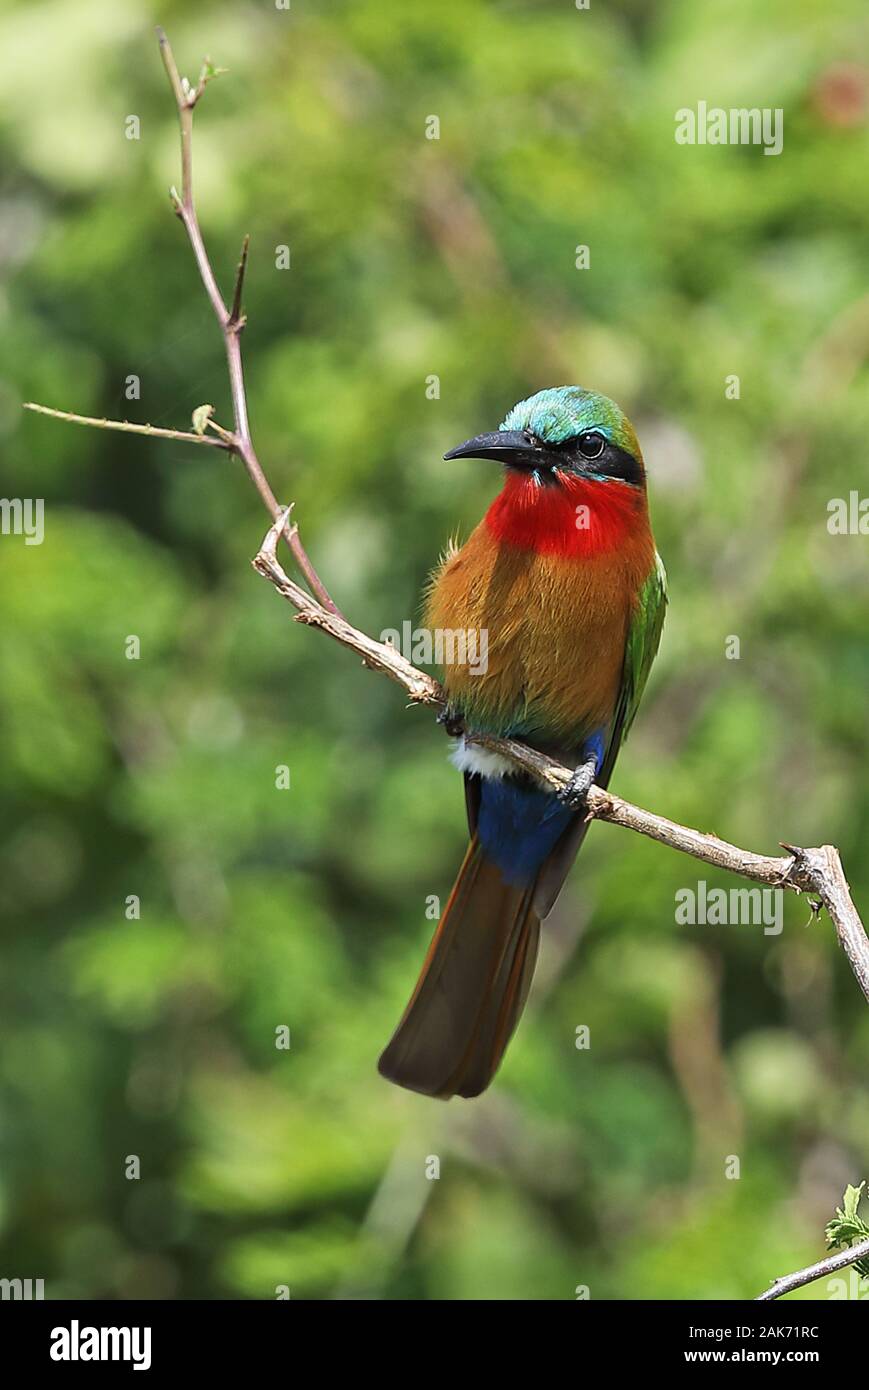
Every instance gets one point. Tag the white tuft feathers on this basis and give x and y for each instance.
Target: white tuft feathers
(472, 759)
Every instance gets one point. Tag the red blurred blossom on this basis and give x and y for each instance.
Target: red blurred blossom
(841, 94)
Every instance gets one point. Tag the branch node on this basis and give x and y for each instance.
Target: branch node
(227, 436)
(269, 548)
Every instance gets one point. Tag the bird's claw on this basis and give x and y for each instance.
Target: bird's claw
(575, 792)
(452, 721)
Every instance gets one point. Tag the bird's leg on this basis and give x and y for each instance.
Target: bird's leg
(452, 720)
(574, 792)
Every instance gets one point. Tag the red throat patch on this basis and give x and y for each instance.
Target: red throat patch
(575, 518)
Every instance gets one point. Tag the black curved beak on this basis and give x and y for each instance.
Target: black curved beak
(516, 447)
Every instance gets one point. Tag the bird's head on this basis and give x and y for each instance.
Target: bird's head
(563, 434)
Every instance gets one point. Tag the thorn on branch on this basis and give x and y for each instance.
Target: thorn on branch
(237, 320)
(795, 869)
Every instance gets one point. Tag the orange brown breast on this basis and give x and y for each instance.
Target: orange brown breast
(553, 630)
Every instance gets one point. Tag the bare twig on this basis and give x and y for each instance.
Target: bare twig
(127, 427)
(422, 689)
(231, 321)
(789, 1282)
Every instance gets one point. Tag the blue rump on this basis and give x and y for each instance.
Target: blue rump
(519, 823)
(518, 826)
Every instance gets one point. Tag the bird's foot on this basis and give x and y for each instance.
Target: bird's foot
(453, 721)
(575, 792)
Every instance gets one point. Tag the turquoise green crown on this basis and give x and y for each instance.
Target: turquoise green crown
(561, 412)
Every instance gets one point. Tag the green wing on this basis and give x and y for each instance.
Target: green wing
(643, 640)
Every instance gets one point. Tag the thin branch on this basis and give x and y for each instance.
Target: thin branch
(422, 689)
(231, 322)
(127, 427)
(816, 871)
(789, 1282)
(185, 100)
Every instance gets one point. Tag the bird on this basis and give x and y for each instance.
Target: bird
(563, 587)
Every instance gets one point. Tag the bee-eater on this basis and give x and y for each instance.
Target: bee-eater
(563, 578)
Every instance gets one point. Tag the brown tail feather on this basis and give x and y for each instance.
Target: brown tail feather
(472, 988)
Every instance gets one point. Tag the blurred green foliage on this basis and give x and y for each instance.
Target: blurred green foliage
(306, 908)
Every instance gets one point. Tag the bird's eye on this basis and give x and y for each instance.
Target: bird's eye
(591, 445)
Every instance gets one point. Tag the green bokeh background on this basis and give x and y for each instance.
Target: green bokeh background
(410, 258)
